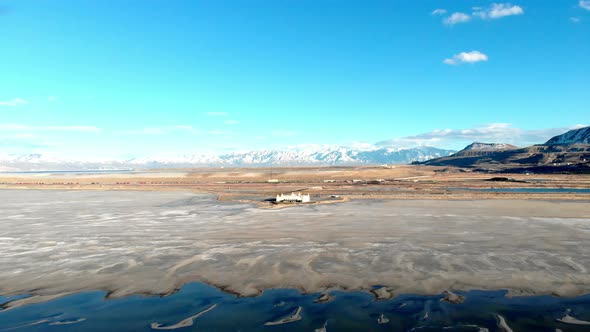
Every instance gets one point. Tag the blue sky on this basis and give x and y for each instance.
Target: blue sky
(129, 78)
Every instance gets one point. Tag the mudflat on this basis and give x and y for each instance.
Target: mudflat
(56, 242)
(252, 185)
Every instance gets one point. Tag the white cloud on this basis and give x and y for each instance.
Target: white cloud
(457, 18)
(283, 133)
(24, 136)
(231, 122)
(466, 57)
(575, 19)
(585, 4)
(439, 11)
(217, 113)
(14, 102)
(152, 131)
(486, 132)
(71, 128)
(489, 133)
(158, 130)
(494, 11)
(13, 127)
(499, 10)
(19, 127)
(142, 131)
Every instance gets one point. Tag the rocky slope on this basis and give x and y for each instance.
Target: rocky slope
(569, 152)
(477, 146)
(575, 136)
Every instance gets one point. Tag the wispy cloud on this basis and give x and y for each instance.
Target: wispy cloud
(14, 102)
(284, 133)
(575, 19)
(499, 10)
(184, 127)
(24, 135)
(142, 131)
(585, 4)
(152, 131)
(494, 11)
(439, 11)
(216, 113)
(457, 18)
(466, 57)
(491, 133)
(19, 127)
(231, 122)
(71, 128)
(52, 98)
(19, 145)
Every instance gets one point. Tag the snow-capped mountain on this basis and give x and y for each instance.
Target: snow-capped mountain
(477, 146)
(328, 156)
(39, 162)
(301, 157)
(180, 159)
(316, 156)
(575, 136)
(26, 158)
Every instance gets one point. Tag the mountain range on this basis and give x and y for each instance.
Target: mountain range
(568, 152)
(314, 156)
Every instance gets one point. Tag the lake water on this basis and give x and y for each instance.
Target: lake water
(529, 190)
(347, 311)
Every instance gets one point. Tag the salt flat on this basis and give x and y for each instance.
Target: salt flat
(126, 242)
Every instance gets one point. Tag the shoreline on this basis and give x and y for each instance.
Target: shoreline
(212, 309)
(33, 298)
(442, 195)
(252, 185)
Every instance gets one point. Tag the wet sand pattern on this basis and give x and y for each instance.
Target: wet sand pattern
(293, 317)
(61, 242)
(347, 311)
(503, 325)
(572, 320)
(183, 323)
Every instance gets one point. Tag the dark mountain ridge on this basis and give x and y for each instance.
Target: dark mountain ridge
(568, 152)
(574, 136)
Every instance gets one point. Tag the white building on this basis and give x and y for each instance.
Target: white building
(293, 198)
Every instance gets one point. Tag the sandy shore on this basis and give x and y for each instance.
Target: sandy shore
(252, 186)
(58, 242)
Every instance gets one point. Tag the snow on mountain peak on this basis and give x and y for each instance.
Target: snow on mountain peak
(477, 146)
(574, 136)
(302, 156)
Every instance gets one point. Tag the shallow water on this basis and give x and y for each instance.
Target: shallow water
(347, 311)
(529, 190)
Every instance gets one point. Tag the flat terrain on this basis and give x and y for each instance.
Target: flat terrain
(251, 185)
(55, 242)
